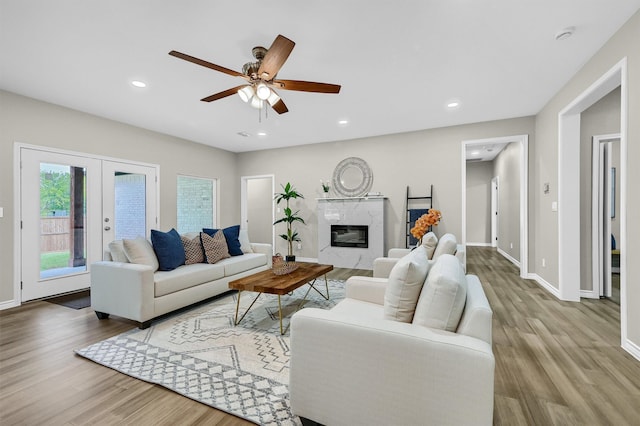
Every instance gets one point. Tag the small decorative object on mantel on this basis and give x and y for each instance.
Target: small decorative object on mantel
(280, 267)
(325, 188)
(424, 222)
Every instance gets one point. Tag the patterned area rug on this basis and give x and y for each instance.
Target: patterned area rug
(243, 370)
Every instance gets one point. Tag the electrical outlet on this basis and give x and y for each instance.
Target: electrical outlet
(544, 263)
(299, 246)
(511, 245)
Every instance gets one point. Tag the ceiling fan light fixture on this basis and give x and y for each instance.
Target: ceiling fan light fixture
(273, 98)
(256, 102)
(262, 91)
(246, 93)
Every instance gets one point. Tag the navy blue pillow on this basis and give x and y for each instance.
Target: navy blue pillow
(169, 249)
(231, 234)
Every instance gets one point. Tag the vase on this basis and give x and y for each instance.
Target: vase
(325, 194)
(291, 258)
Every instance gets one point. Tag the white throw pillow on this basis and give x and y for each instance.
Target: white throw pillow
(116, 249)
(446, 245)
(405, 282)
(140, 251)
(245, 244)
(430, 242)
(443, 295)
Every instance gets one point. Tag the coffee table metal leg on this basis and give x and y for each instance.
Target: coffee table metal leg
(304, 300)
(237, 321)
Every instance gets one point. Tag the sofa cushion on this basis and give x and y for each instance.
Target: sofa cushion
(116, 250)
(443, 296)
(245, 244)
(192, 249)
(215, 247)
(430, 242)
(405, 282)
(140, 251)
(231, 235)
(168, 248)
(359, 309)
(185, 276)
(446, 245)
(237, 264)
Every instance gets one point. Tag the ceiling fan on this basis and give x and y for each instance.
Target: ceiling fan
(260, 77)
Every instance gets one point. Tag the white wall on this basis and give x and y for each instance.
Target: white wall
(417, 159)
(507, 167)
(29, 121)
(479, 176)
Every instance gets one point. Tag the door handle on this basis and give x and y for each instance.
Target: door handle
(106, 228)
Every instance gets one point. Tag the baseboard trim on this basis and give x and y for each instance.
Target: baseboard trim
(9, 304)
(589, 294)
(544, 284)
(478, 244)
(508, 257)
(632, 348)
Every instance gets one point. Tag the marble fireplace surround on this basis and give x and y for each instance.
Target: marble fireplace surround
(367, 211)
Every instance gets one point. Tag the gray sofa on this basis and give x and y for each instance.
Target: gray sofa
(137, 292)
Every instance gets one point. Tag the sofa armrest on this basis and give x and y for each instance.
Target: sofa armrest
(461, 255)
(264, 249)
(350, 370)
(123, 289)
(398, 252)
(367, 289)
(382, 266)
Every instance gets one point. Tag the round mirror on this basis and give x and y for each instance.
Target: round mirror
(352, 177)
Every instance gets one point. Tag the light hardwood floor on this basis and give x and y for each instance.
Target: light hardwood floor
(556, 363)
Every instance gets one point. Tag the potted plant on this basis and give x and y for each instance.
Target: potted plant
(289, 192)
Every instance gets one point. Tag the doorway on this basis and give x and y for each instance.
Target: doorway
(71, 206)
(494, 211)
(257, 209)
(523, 164)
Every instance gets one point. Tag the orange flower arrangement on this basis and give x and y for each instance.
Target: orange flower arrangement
(424, 222)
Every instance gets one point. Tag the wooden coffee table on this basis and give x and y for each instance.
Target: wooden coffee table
(268, 282)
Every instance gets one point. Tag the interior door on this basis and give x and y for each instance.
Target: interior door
(129, 201)
(60, 204)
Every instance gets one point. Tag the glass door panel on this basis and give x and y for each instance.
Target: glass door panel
(63, 207)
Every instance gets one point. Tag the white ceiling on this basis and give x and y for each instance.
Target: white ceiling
(399, 62)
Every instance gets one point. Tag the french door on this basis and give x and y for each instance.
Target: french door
(71, 207)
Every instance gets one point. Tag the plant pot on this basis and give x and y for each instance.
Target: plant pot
(291, 258)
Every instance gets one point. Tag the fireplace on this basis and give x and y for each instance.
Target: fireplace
(350, 236)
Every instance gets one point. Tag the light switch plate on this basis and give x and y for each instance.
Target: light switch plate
(1, 211)
(554, 206)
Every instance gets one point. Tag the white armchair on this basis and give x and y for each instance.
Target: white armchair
(350, 366)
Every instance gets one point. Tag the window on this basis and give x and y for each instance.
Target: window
(196, 200)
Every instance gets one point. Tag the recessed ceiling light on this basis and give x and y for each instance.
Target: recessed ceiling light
(139, 83)
(475, 153)
(453, 104)
(262, 133)
(343, 122)
(565, 33)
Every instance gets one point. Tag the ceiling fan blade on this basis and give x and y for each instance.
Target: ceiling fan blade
(307, 86)
(206, 64)
(280, 107)
(275, 57)
(223, 94)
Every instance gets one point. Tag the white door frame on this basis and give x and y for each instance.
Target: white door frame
(523, 140)
(244, 216)
(569, 190)
(18, 214)
(495, 200)
(601, 217)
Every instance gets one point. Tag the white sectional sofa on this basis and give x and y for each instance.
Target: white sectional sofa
(140, 293)
(352, 365)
